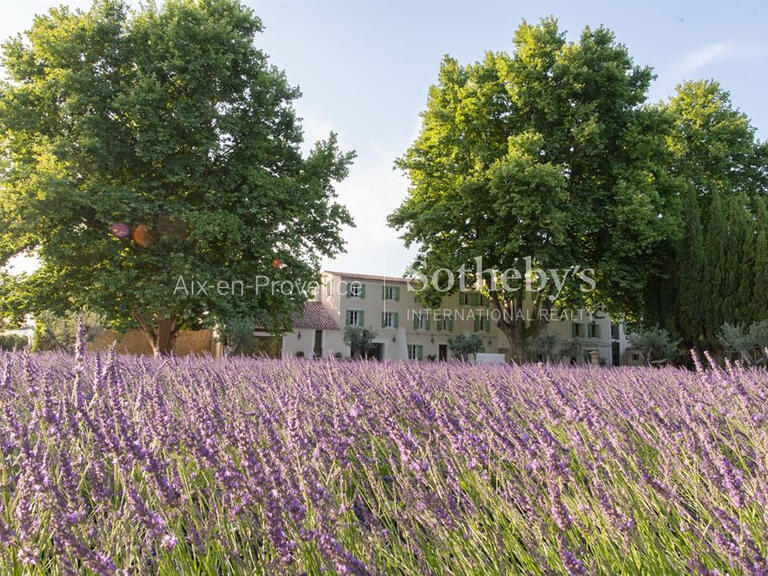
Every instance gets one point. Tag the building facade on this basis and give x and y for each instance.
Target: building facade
(407, 331)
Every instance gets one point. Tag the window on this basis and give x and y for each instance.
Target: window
(594, 330)
(356, 290)
(614, 331)
(389, 320)
(355, 318)
(474, 299)
(482, 323)
(421, 321)
(444, 323)
(415, 352)
(577, 330)
(463, 298)
(390, 293)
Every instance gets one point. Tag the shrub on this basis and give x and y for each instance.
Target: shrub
(9, 342)
(237, 336)
(655, 343)
(464, 346)
(747, 341)
(359, 340)
(55, 332)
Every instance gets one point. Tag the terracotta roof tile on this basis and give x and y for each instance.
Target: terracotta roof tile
(315, 316)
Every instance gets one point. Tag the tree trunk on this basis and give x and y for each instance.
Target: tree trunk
(514, 338)
(165, 337)
(162, 338)
(512, 323)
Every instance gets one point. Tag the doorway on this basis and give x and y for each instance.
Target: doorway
(318, 349)
(377, 353)
(442, 352)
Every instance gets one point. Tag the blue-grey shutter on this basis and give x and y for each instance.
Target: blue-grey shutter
(360, 318)
(396, 319)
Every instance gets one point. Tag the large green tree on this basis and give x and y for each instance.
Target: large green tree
(715, 153)
(714, 146)
(547, 153)
(143, 147)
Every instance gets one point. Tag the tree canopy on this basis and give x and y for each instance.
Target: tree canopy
(717, 273)
(547, 152)
(140, 147)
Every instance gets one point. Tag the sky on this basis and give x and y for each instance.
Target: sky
(364, 69)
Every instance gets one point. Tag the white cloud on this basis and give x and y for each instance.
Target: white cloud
(713, 53)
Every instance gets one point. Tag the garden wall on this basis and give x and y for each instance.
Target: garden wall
(197, 342)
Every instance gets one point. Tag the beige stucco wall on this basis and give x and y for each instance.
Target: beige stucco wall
(333, 342)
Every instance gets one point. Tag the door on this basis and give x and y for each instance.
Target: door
(378, 351)
(318, 350)
(615, 354)
(442, 352)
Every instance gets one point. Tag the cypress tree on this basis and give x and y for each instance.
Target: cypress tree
(732, 255)
(691, 301)
(745, 300)
(760, 287)
(714, 266)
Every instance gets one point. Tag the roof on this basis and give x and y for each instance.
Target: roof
(388, 279)
(315, 316)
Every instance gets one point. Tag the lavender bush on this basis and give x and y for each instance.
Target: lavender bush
(198, 466)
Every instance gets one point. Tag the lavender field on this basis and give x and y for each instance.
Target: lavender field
(234, 466)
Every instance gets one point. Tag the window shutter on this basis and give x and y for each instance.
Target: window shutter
(396, 319)
(415, 321)
(487, 324)
(362, 290)
(397, 292)
(420, 352)
(450, 324)
(573, 330)
(349, 317)
(360, 318)
(383, 319)
(597, 330)
(439, 323)
(384, 292)
(426, 326)
(477, 324)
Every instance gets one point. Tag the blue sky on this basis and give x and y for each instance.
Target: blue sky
(364, 70)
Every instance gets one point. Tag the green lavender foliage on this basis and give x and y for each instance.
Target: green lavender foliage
(244, 466)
